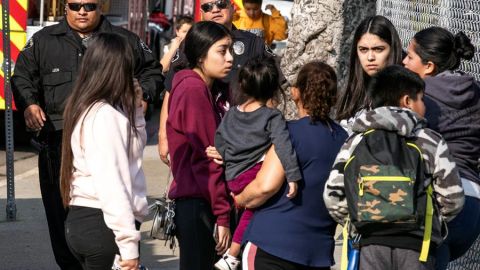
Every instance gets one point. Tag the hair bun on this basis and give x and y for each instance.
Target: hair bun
(463, 46)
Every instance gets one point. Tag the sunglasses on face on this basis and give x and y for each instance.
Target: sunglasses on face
(87, 6)
(221, 4)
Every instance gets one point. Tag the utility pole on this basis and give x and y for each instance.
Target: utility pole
(11, 206)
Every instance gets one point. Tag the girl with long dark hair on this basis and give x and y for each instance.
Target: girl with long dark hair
(195, 109)
(452, 100)
(375, 45)
(102, 180)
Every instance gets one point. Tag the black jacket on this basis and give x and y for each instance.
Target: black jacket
(48, 65)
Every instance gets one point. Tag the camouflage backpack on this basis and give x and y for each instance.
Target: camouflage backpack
(385, 187)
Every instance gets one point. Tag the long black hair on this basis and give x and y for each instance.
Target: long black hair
(442, 48)
(106, 74)
(354, 98)
(200, 38)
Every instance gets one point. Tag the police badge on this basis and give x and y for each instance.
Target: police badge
(238, 47)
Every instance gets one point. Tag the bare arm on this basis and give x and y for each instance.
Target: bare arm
(168, 56)
(268, 181)
(162, 132)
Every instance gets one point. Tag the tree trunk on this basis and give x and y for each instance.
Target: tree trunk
(321, 30)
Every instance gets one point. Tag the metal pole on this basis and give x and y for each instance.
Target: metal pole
(42, 10)
(11, 207)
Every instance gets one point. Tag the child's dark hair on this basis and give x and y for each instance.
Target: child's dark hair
(183, 20)
(253, 1)
(258, 79)
(317, 84)
(390, 84)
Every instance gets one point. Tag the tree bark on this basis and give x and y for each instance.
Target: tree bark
(321, 30)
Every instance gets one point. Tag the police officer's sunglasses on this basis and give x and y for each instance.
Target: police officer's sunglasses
(87, 6)
(221, 4)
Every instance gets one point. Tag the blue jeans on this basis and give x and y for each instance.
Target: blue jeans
(463, 230)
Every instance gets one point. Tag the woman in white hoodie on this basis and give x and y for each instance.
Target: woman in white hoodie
(102, 180)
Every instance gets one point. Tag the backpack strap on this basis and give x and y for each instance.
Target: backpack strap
(344, 259)
(427, 233)
(428, 226)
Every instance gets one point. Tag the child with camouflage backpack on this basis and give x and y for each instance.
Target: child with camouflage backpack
(394, 179)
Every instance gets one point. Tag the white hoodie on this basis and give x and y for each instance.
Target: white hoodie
(108, 171)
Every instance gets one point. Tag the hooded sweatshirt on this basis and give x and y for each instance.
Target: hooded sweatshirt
(452, 100)
(447, 188)
(108, 174)
(193, 117)
(269, 27)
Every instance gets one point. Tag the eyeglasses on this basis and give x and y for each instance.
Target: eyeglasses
(87, 6)
(221, 4)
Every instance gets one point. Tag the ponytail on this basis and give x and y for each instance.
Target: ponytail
(463, 46)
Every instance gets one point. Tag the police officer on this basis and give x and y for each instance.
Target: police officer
(44, 75)
(245, 46)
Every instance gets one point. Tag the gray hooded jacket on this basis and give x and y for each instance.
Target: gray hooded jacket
(448, 192)
(452, 100)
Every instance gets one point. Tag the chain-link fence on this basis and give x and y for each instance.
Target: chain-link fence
(410, 16)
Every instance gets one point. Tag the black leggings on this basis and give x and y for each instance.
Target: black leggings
(89, 238)
(49, 171)
(195, 222)
(266, 261)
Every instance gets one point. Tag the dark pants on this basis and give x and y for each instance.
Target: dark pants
(463, 230)
(194, 223)
(236, 186)
(376, 257)
(89, 238)
(257, 259)
(49, 171)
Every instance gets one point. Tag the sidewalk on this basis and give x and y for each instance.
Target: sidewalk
(25, 243)
(22, 162)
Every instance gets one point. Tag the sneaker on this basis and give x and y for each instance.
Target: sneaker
(227, 262)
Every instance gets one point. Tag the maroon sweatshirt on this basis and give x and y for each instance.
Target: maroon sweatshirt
(191, 124)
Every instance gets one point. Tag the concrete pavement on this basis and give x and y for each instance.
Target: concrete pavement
(25, 244)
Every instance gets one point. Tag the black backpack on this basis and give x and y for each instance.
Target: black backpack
(385, 187)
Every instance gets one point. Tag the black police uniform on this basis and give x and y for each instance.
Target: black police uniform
(245, 46)
(44, 75)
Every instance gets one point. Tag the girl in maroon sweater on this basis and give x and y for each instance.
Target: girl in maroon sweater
(194, 114)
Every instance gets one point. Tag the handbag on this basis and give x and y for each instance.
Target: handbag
(163, 224)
